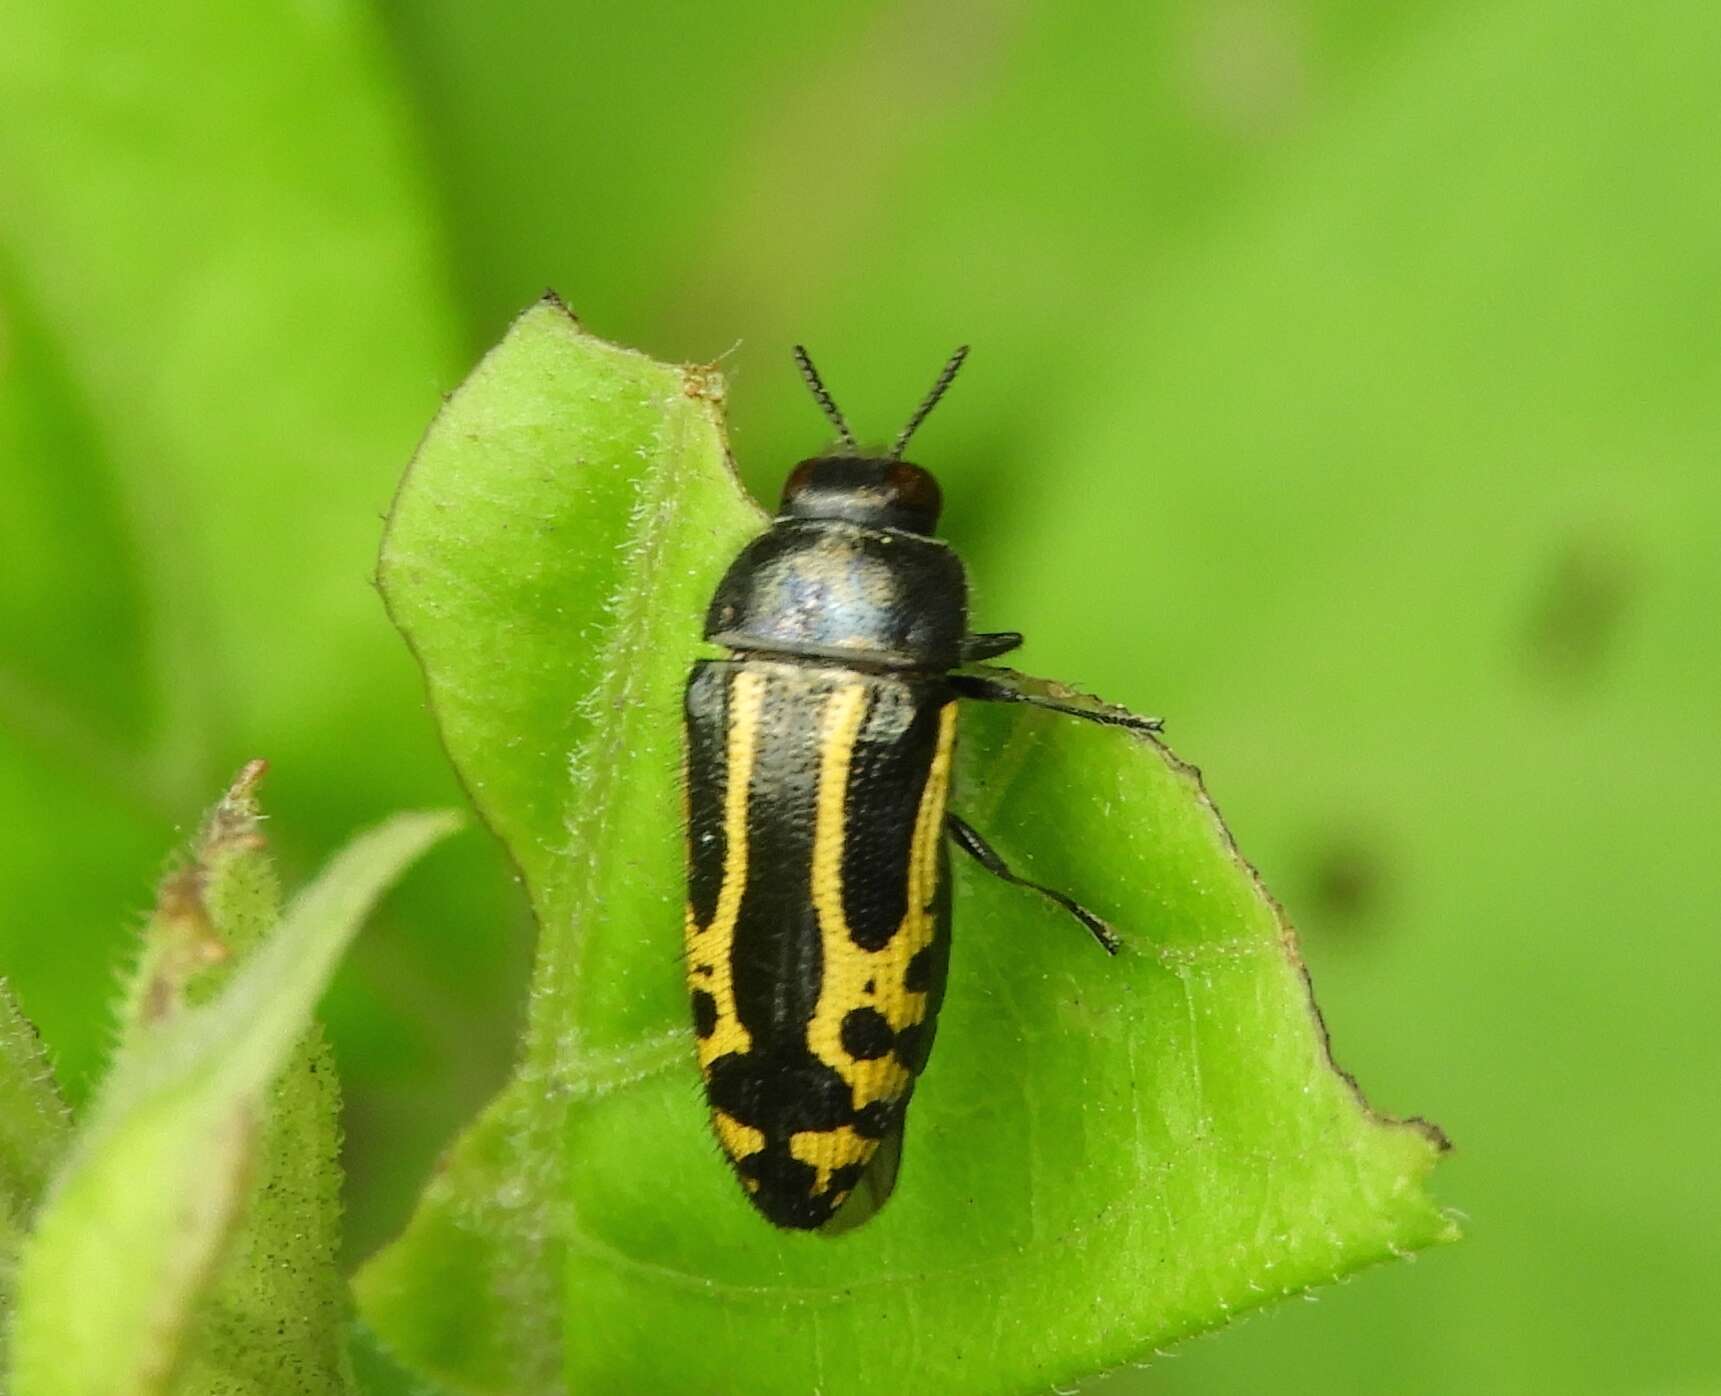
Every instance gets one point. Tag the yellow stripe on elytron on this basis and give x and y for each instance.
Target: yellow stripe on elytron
(848, 966)
(929, 821)
(844, 712)
(738, 1140)
(830, 1149)
(711, 945)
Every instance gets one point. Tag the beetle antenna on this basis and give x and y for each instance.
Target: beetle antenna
(822, 396)
(929, 401)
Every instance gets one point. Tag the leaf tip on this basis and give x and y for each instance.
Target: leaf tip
(250, 776)
(551, 299)
(1433, 1133)
(431, 826)
(232, 825)
(705, 383)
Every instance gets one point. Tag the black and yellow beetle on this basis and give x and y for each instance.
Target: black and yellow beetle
(818, 763)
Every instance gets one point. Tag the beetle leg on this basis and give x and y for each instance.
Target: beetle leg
(989, 645)
(1007, 686)
(968, 839)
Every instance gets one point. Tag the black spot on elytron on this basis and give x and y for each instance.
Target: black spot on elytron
(704, 970)
(874, 1119)
(781, 1092)
(704, 1013)
(844, 1179)
(785, 1192)
(908, 1047)
(870, 987)
(865, 1034)
(917, 978)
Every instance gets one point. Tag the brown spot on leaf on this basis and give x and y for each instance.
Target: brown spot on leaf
(704, 382)
(183, 942)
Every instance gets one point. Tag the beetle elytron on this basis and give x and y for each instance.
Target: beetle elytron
(817, 770)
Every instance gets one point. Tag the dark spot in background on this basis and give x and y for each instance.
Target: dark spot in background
(1578, 611)
(1350, 881)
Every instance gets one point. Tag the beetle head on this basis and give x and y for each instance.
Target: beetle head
(879, 491)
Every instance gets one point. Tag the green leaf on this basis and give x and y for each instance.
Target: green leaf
(559, 520)
(1103, 1155)
(33, 1134)
(279, 1302)
(378, 1373)
(190, 1168)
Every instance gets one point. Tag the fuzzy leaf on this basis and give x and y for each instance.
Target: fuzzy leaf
(188, 1167)
(33, 1134)
(277, 1313)
(1103, 1155)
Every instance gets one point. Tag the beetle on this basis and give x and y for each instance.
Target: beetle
(817, 774)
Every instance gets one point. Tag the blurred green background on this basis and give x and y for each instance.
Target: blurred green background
(1346, 387)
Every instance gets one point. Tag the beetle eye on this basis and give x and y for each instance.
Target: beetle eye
(913, 488)
(799, 478)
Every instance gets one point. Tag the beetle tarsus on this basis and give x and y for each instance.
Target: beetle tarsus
(967, 838)
(997, 688)
(989, 645)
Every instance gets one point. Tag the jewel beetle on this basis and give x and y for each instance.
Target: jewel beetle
(817, 773)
